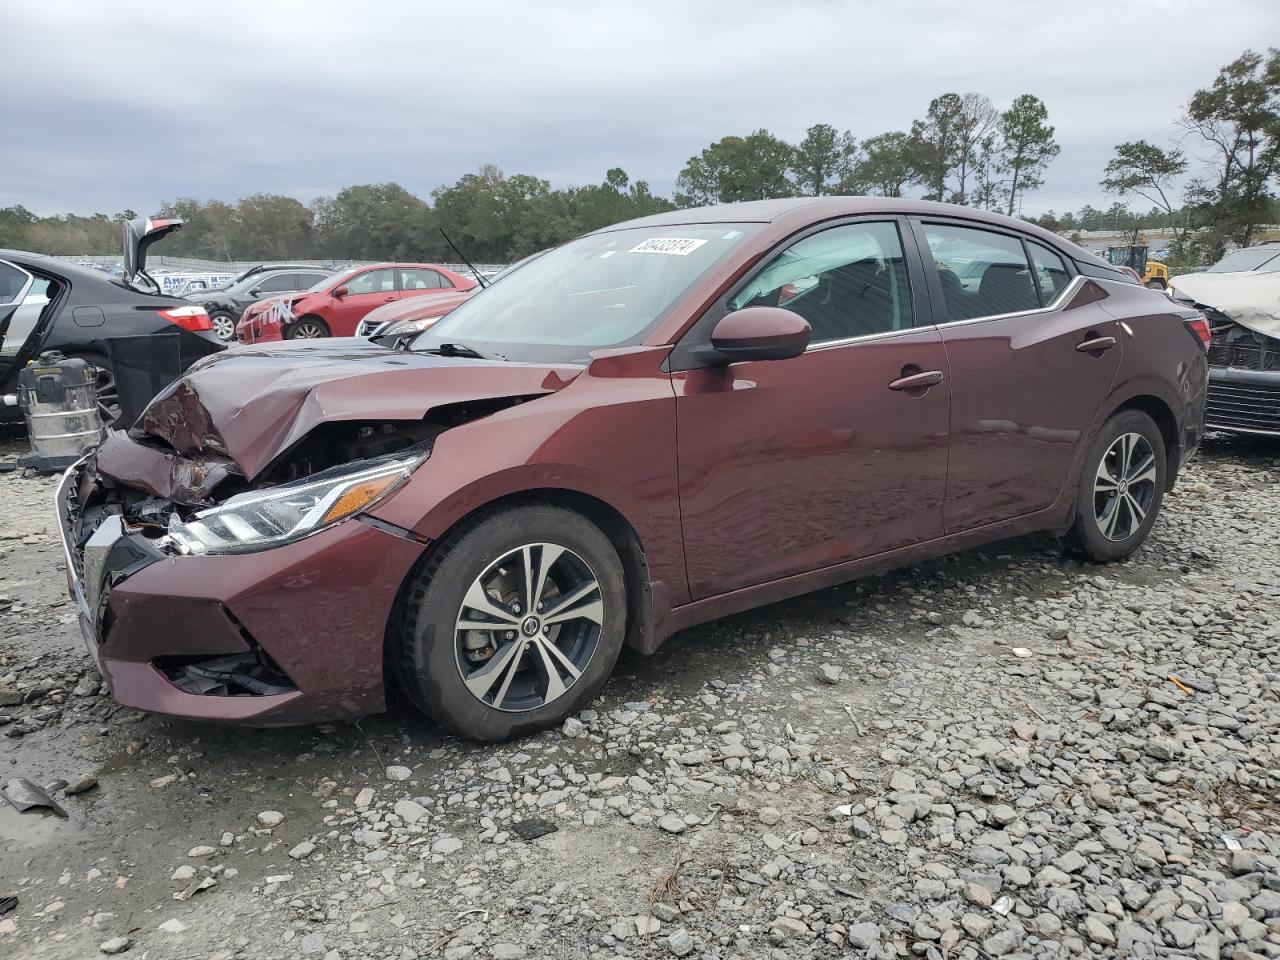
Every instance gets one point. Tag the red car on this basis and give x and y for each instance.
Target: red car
(406, 317)
(623, 438)
(335, 306)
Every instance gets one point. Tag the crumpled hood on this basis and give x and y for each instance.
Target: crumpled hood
(252, 403)
(1250, 299)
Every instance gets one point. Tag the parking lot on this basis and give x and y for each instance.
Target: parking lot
(1001, 753)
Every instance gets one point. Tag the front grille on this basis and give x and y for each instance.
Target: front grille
(73, 523)
(1242, 405)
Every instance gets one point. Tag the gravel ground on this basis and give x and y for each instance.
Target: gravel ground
(1001, 754)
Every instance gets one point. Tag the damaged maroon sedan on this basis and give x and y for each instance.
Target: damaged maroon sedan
(656, 424)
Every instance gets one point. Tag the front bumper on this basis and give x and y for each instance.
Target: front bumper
(252, 329)
(1243, 401)
(318, 608)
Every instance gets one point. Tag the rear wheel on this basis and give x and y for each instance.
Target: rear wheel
(224, 325)
(1155, 283)
(108, 392)
(1121, 488)
(513, 624)
(306, 328)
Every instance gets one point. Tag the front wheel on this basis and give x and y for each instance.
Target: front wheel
(512, 624)
(1121, 488)
(306, 328)
(1155, 283)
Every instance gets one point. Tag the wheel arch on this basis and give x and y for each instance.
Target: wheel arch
(647, 615)
(1159, 411)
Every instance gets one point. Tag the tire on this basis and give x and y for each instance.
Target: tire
(1155, 283)
(309, 327)
(108, 393)
(224, 325)
(511, 692)
(1117, 506)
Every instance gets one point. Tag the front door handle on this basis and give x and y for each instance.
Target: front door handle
(917, 381)
(1096, 344)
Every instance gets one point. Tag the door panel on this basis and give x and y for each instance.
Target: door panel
(1022, 395)
(366, 291)
(1022, 401)
(16, 319)
(791, 465)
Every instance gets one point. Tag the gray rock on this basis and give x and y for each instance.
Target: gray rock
(680, 943)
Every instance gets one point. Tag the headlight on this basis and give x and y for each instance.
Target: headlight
(401, 328)
(289, 512)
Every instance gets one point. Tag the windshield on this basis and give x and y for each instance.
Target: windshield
(601, 290)
(324, 283)
(1264, 259)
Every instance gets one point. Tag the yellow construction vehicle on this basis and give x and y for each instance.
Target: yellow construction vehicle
(1151, 272)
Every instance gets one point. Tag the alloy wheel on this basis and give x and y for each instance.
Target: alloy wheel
(306, 330)
(224, 327)
(1124, 487)
(528, 627)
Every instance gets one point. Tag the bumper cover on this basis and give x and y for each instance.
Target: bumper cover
(1243, 401)
(318, 608)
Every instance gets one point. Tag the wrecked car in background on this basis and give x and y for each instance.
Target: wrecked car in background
(654, 425)
(1243, 309)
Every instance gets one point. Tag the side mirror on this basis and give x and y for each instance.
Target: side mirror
(255, 292)
(760, 333)
(341, 292)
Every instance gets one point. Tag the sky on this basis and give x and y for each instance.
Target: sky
(122, 105)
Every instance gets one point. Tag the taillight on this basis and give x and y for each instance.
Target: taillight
(194, 319)
(1200, 327)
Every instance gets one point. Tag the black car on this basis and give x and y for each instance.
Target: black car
(227, 304)
(87, 309)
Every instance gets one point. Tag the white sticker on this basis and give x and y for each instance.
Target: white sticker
(732, 235)
(672, 246)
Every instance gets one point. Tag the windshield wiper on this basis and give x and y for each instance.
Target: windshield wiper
(462, 350)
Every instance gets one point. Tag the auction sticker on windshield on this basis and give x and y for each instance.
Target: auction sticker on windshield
(672, 246)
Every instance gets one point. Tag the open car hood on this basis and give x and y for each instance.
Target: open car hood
(139, 235)
(1249, 299)
(253, 403)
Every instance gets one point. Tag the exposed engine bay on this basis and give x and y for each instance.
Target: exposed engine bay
(155, 488)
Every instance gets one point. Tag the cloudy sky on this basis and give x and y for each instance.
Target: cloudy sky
(127, 104)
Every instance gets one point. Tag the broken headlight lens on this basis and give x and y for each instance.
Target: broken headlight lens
(279, 515)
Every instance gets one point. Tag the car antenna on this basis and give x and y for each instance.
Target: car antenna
(471, 266)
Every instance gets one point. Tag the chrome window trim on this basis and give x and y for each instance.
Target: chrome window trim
(1068, 291)
(1078, 281)
(864, 338)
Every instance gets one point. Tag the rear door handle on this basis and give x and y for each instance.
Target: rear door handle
(917, 381)
(1096, 344)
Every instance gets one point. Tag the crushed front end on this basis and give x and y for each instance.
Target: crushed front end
(236, 632)
(1244, 378)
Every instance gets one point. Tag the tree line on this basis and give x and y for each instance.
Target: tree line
(963, 150)
(1232, 127)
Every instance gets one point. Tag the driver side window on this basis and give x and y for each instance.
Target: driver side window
(849, 281)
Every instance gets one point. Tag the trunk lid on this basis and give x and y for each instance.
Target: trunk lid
(139, 235)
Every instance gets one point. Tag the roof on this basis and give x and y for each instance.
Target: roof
(814, 209)
(56, 265)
